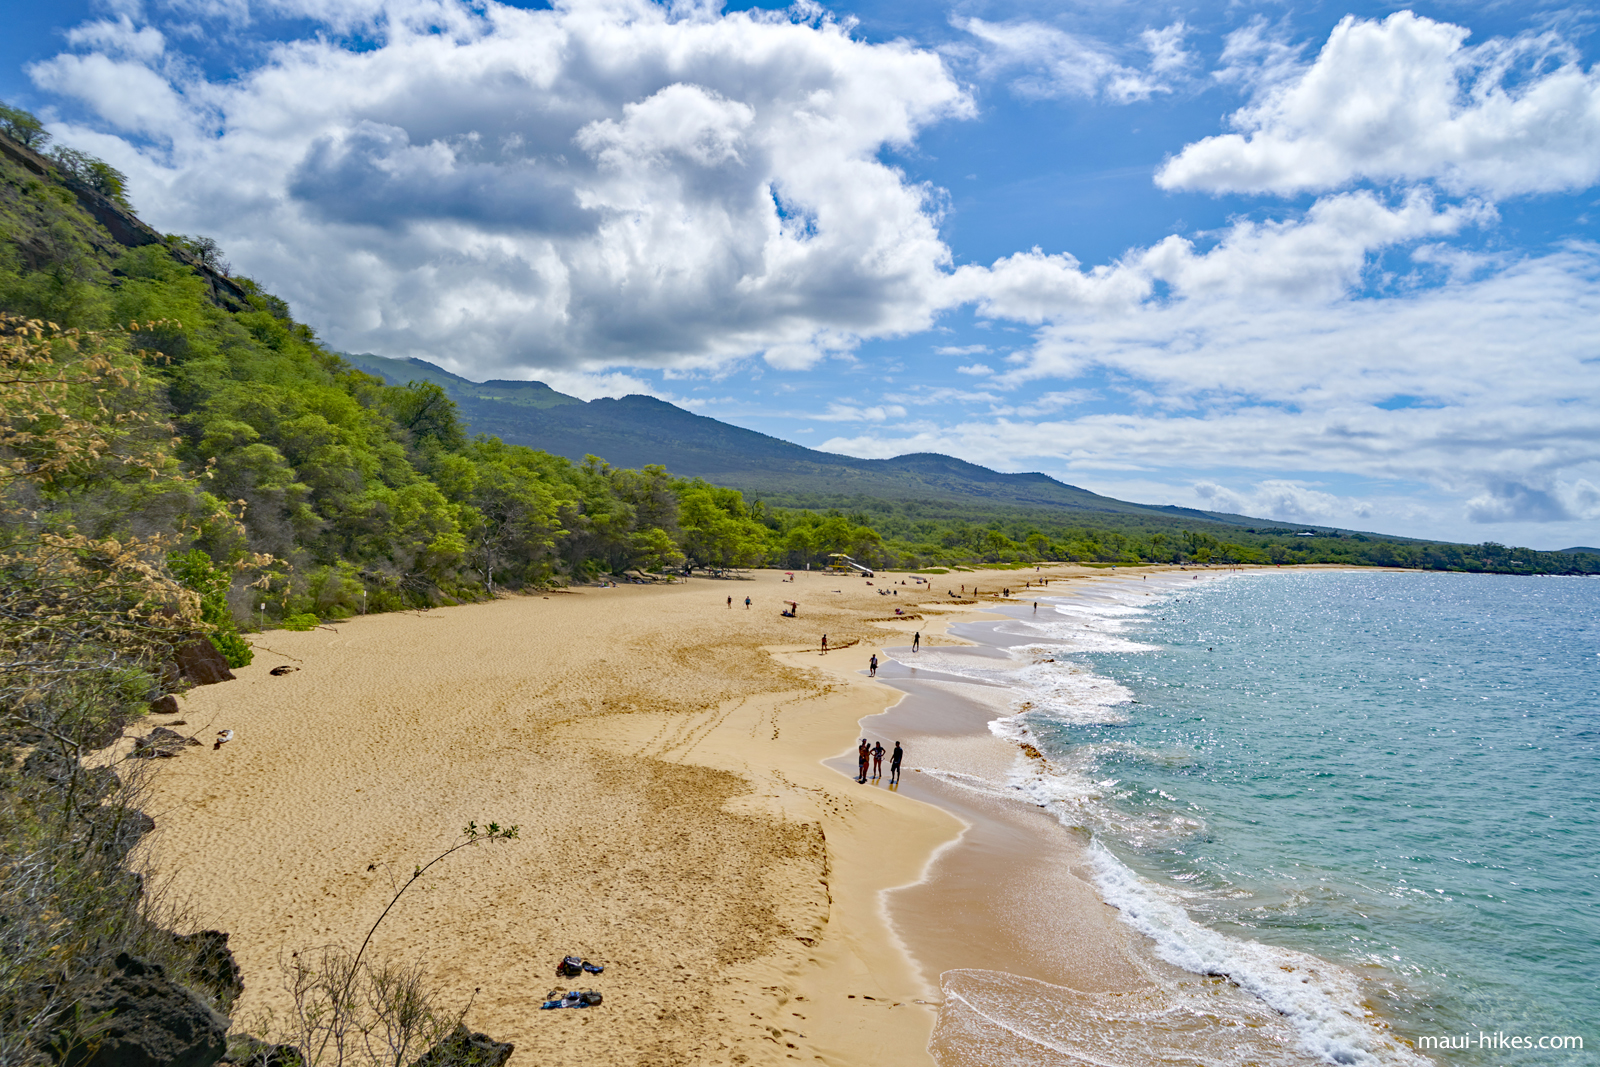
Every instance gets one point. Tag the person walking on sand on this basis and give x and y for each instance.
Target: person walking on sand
(824, 644)
(872, 668)
(916, 641)
(877, 760)
(862, 755)
(894, 764)
(730, 603)
(747, 603)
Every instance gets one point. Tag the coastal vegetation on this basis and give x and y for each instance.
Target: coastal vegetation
(947, 535)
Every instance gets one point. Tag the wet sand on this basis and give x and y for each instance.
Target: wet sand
(1033, 968)
(978, 904)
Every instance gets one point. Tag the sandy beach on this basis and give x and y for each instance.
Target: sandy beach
(672, 763)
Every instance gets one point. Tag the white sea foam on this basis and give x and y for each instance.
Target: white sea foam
(1038, 680)
(1074, 792)
(1321, 1000)
(1080, 625)
(991, 1017)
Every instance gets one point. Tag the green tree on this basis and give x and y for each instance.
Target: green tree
(717, 530)
(93, 172)
(23, 127)
(428, 413)
(195, 570)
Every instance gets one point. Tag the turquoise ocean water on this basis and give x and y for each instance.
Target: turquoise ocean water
(1399, 773)
(1394, 773)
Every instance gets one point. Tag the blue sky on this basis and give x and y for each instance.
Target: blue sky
(1331, 264)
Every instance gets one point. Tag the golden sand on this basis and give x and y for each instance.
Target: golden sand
(661, 753)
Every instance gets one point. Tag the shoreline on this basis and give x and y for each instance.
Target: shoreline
(1054, 986)
(667, 758)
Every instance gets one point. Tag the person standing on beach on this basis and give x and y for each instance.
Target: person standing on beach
(894, 764)
(916, 641)
(877, 760)
(862, 755)
(730, 603)
(747, 603)
(872, 668)
(824, 644)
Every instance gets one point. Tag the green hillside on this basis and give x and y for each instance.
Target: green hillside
(928, 508)
(635, 430)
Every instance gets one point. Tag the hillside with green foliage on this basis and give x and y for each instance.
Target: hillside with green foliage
(319, 490)
(927, 510)
(640, 429)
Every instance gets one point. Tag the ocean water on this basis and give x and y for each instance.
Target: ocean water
(1371, 801)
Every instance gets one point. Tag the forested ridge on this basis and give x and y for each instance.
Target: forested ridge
(316, 490)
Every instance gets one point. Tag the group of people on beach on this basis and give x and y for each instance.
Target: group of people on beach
(868, 752)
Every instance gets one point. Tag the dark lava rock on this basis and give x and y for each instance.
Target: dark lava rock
(279, 672)
(95, 783)
(214, 967)
(164, 705)
(131, 825)
(201, 664)
(466, 1048)
(161, 743)
(143, 1019)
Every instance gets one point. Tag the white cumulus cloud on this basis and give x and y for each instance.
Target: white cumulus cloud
(1317, 257)
(608, 182)
(1405, 99)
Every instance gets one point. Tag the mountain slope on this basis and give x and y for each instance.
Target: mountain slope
(632, 431)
